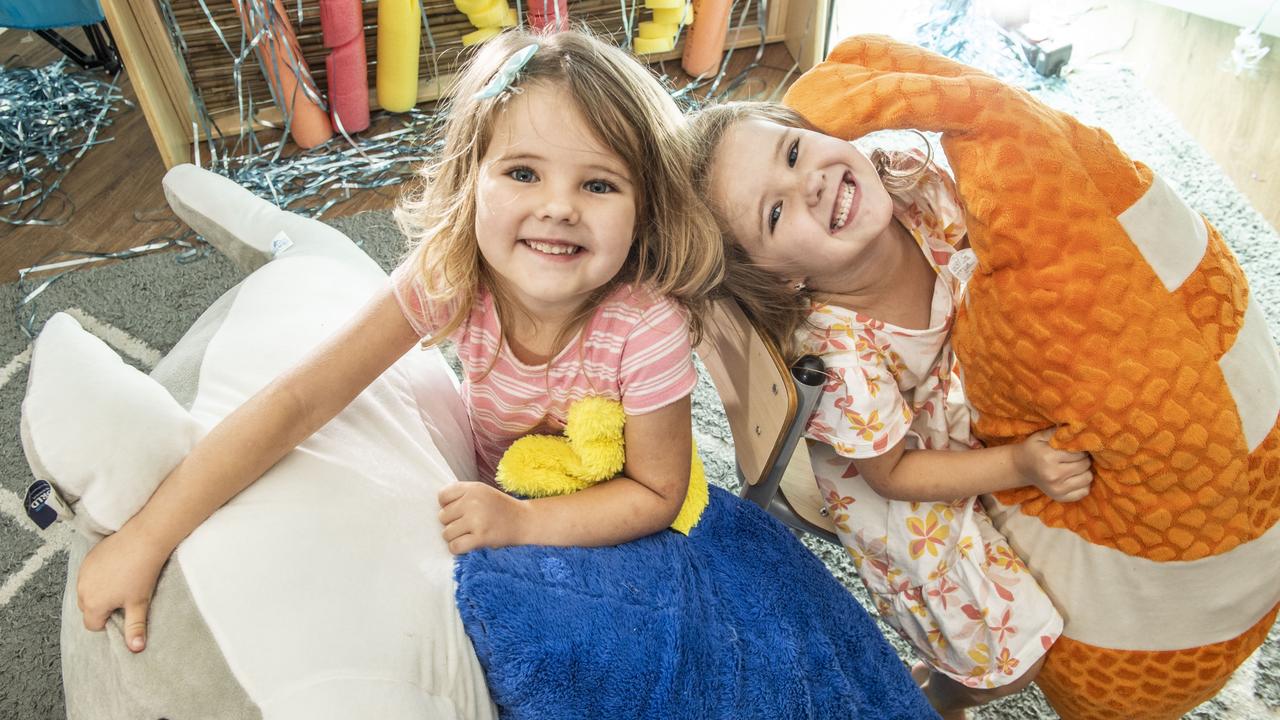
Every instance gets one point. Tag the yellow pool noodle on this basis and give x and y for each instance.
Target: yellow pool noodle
(648, 46)
(654, 30)
(674, 16)
(399, 32)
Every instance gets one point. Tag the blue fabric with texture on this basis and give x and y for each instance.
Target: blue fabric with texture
(737, 620)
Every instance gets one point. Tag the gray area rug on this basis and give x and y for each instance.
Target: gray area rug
(142, 307)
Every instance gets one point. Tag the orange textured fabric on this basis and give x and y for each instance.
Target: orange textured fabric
(1094, 682)
(1104, 306)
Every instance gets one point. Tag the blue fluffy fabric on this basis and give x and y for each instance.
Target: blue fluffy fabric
(737, 620)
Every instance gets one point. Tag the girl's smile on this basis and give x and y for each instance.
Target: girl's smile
(558, 249)
(844, 206)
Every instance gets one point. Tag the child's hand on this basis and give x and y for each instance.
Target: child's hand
(1061, 474)
(120, 572)
(477, 515)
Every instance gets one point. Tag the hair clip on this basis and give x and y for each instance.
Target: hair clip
(507, 74)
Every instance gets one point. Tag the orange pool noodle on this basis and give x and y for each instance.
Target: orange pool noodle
(704, 44)
(279, 54)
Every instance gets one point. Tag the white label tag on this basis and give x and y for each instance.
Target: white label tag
(279, 244)
(56, 502)
(962, 264)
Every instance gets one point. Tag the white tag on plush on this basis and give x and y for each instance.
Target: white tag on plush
(279, 244)
(962, 265)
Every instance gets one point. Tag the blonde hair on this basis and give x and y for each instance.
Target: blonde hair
(674, 248)
(777, 310)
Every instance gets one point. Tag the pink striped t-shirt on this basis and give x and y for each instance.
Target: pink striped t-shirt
(634, 348)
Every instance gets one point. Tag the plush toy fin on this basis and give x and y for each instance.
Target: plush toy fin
(695, 500)
(540, 466)
(895, 85)
(594, 429)
(592, 450)
(998, 138)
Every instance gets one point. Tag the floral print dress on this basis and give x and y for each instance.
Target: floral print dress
(939, 573)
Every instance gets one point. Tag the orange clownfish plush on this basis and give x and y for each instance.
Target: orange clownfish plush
(1105, 306)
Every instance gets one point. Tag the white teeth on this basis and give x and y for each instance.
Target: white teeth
(552, 248)
(843, 204)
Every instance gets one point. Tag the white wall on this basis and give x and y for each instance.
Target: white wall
(1243, 13)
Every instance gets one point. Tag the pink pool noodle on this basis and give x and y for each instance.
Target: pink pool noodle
(343, 24)
(543, 14)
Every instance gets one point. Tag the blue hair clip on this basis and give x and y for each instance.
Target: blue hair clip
(505, 76)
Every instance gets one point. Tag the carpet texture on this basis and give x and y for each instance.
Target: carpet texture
(142, 307)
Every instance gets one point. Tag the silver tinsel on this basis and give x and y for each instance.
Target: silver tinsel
(312, 181)
(49, 118)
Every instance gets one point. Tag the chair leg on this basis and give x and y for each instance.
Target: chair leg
(104, 47)
(71, 51)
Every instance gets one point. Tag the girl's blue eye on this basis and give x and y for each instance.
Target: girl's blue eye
(599, 186)
(794, 153)
(524, 175)
(775, 213)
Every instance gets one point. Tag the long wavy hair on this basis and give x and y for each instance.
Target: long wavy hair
(674, 249)
(777, 308)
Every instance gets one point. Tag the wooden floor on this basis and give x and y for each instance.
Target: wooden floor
(116, 186)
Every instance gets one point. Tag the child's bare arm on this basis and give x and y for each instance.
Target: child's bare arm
(946, 475)
(121, 571)
(642, 501)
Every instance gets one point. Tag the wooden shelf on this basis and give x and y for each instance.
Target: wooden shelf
(156, 67)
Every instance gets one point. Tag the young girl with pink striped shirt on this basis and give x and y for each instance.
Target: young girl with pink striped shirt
(560, 250)
(559, 247)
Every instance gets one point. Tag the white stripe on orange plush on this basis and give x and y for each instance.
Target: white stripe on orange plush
(1113, 600)
(1252, 371)
(1171, 236)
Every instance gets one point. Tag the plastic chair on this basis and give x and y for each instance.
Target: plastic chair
(768, 404)
(43, 16)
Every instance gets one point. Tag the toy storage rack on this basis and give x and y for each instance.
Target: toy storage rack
(156, 70)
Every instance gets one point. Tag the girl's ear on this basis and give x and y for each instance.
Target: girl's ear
(797, 284)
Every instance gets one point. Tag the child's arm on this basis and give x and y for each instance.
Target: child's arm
(121, 571)
(945, 475)
(643, 500)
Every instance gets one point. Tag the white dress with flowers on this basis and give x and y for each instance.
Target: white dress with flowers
(939, 573)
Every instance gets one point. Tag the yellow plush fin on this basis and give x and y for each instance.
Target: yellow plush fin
(695, 500)
(594, 429)
(539, 466)
(591, 451)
